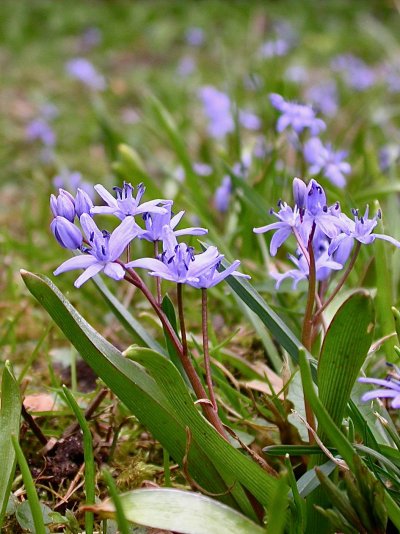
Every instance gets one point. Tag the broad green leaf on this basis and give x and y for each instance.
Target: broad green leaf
(128, 381)
(343, 352)
(180, 511)
(225, 457)
(10, 411)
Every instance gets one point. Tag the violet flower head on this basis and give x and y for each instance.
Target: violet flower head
(155, 223)
(178, 263)
(194, 36)
(355, 73)
(289, 218)
(249, 120)
(297, 116)
(40, 130)
(105, 249)
(360, 229)
(67, 234)
(390, 389)
(83, 70)
(324, 160)
(83, 203)
(125, 204)
(217, 108)
(63, 204)
(324, 97)
(186, 66)
(274, 48)
(72, 180)
(222, 195)
(213, 276)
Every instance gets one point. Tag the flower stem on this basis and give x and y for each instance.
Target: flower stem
(307, 332)
(181, 316)
(158, 279)
(341, 281)
(133, 278)
(207, 364)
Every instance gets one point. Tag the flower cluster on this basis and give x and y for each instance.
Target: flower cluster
(325, 231)
(101, 250)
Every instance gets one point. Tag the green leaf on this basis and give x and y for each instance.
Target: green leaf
(343, 352)
(128, 381)
(224, 456)
(10, 411)
(180, 511)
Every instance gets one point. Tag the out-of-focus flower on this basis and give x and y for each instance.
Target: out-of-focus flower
(91, 38)
(105, 250)
(324, 97)
(83, 70)
(296, 74)
(249, 120)
(186, 66)
(222, 195)
(322, 159)
(217, 108)
(274, 48)
(194, 36)
(202, 169)
(355, 73)
(40, 130)
(297, 116)
(71, 181)
(388, 156)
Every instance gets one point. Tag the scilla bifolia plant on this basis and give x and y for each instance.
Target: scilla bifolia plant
(157, 391)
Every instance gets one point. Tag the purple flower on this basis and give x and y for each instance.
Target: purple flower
(274, 48)
(326, 161)
(289, 218)
(67, 234)
(297, 116)
(361, 230)
(83, 203)
(81, 69)
(249, 120)
(212, 277)
(323, 266)
(156, 221)
(186, 66)
(356, 74)
(296, 74)
(105, 249)
(63, 205)
(391, 389)
(222, 195)
(202, 169)
(324, 97)
(194, 36)
(71, 180)
(178, 263)
(217, 108)
(39, 129)
(125, 204)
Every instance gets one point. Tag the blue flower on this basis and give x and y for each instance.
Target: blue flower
(289, 218)
(83, 203)
(222, 195)
(63, 205)
(217, 108)
(125, 204)
(326, 161)
(297, 116)
(105, 249)
(212, 277)
(391, 389)
(67, 234)
(81, 69)
(155, 222)
(178, 263)
(361, 230)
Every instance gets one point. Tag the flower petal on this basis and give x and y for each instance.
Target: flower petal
(122, 236)
(114, 270)
(89, 273)
(78, 262)
(106, 196)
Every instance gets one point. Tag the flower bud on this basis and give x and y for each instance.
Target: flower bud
(67, 234)
(83, 203)
(299, 193)
(63, 205)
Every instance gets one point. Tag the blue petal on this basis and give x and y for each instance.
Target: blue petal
(78, 262)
